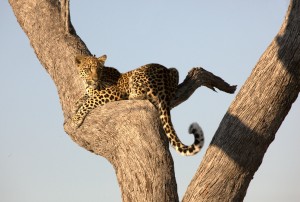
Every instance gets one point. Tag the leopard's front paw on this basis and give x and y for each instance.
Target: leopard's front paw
(79, 103)
(76, 121)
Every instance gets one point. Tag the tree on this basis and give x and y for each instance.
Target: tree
(239, 144)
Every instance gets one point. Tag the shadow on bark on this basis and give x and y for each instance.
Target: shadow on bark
(289, 41)
(251, 122)
(288, 53)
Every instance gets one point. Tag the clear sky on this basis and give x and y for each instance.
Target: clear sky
(39, 162)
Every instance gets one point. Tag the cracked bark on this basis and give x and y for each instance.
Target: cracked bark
(145, 170)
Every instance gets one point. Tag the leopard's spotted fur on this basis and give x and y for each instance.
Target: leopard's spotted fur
(152, 82)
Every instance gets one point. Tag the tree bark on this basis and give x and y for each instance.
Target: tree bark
(252, 120)
(129, 134)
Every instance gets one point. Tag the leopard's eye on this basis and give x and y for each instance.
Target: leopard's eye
(87, 70)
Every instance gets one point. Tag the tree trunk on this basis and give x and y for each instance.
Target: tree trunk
(252, 120)
(129, 134)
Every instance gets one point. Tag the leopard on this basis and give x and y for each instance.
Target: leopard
(153, 82)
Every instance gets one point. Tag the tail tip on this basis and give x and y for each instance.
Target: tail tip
(195, 128)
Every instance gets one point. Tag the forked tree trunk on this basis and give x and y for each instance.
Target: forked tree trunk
(128, 133)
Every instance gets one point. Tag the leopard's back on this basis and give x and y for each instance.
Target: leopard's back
(110, 76)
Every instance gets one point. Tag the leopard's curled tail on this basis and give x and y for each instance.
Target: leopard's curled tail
(184, 150)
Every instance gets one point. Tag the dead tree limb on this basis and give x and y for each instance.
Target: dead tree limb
(199, 77)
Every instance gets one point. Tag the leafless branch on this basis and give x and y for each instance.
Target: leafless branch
(199, 77)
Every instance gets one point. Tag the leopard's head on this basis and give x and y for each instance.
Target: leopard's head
(90, 69)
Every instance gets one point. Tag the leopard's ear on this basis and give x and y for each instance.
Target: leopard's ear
(79, 58)
(102, 59)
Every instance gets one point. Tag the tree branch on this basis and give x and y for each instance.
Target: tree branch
(65, 15)
(115, 131)
(199, 77)
(252, 120)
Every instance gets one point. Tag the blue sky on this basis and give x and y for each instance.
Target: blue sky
(39, 162)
